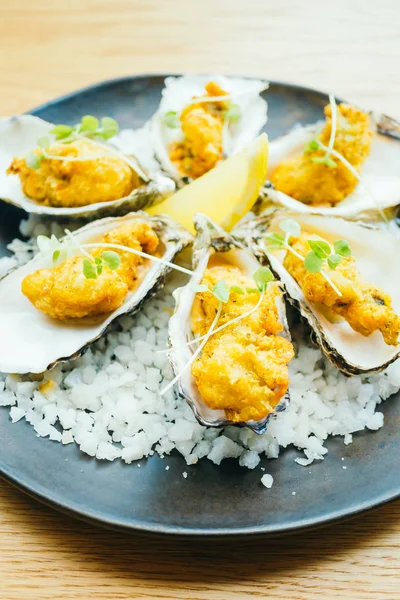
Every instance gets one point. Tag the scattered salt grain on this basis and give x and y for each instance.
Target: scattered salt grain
(267, 480)
(184, 475)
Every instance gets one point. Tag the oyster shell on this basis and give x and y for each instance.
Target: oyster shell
(374, 251)
(179, 92)
(379, 188)
(210, 239)
(31, 342)
(19, 135)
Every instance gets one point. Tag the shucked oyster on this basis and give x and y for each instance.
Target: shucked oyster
(203, 119)
(49, 314)
(358, 179)
(353, 302)
(239, 373)
(73, 176)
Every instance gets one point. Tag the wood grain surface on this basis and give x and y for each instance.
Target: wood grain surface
(50, 47)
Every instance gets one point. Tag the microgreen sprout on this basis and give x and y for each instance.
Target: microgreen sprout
(222, 291)
(93, 268)
(321, 255)
(89, 127)
(233, 113)
(171, 119)
(57, 250)
(315, 144)
(99, 132)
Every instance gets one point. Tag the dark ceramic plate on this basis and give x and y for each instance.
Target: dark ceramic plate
(212, 500)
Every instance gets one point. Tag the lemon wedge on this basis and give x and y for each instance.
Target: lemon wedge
(225, 193)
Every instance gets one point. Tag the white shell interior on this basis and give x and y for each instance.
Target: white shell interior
(180, 330)
(378, 189)
(32, 341)
(18, 136)
(375, 252)
(179, 92)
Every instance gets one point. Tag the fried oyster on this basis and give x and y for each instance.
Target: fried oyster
(63, 182)
(63, 292)
(202, 126)
(365, 307)
(243, 368)
(317, 184)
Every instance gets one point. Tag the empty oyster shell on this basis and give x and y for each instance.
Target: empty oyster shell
(211, 241)
(379, 186)
(32, 342)
(19, 136)
(374, 251)
(179, 92)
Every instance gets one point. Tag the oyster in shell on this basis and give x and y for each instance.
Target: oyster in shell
(374, 274)
(32, 342)
(215, 248)
(372, 144)
(199, 133)
(19, 135)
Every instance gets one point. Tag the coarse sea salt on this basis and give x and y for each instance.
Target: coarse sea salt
(108, 401)
(267, 480)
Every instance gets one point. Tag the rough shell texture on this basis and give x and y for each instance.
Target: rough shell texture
(209, 239)
(379, 188)
(374, 251)
(19, 135)
(179, 92)
(32, 342)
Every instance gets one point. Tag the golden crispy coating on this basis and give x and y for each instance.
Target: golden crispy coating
(66, 183)
(202, 124)
(365, 307)
(242, 369)
(63, 292)
(320, 185)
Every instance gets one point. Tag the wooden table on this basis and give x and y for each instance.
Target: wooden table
(51, 47)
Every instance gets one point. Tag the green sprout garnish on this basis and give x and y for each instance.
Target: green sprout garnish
(222, 291)
(171, 119)
(233, 113)
(58, 250)
(89, 128)
(93, 268)
(262, 277)
(315, 144)
(324, 160)
(321, 256)
(237, 290)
